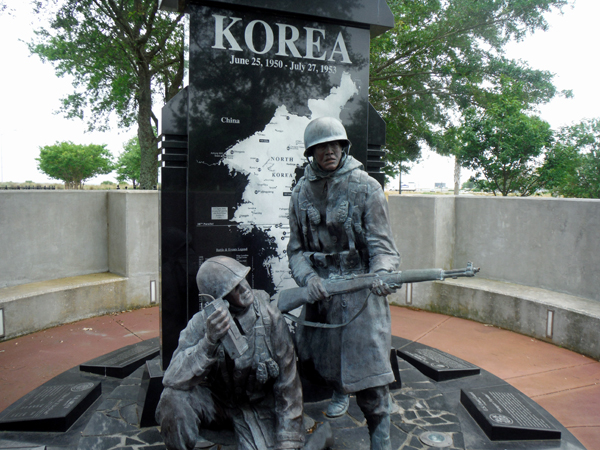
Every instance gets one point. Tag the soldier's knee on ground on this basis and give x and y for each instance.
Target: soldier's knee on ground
(179, 414)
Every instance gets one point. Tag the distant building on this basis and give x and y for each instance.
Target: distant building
(440, 185)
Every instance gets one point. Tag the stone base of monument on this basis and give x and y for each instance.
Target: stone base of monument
(22, 446)
(455, 413)
(123, 362)
(150, 391)
(397, 383)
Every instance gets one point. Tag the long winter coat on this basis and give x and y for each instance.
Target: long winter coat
(339, 225)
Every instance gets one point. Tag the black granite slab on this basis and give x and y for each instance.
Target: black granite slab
(399, 342)
(7, 445)
(505, 414)
(436, 364)
(54, 406)
(375, 13)
(123, 362)
(232, 140)
(150, 392)
(397, 383)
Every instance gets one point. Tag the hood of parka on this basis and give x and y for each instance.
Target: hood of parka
(313, 172)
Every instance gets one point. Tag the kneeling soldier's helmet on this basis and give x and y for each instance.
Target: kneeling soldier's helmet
(218, 276)
(324, 129)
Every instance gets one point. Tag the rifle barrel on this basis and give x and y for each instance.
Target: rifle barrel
(290, 299)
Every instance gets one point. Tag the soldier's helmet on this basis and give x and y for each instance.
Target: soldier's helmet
(218, 276)
(324, 129)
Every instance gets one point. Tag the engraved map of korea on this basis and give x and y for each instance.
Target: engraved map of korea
(269, 159)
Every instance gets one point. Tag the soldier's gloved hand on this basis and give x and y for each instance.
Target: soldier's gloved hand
(382, 289)
(217, 325)
(316, 290)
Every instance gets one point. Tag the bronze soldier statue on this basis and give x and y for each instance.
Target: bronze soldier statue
(212, 379)
(339, 226)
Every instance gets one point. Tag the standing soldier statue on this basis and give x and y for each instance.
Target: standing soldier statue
(339, 226)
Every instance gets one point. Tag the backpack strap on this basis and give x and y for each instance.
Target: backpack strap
(356, 195)
(309, 216)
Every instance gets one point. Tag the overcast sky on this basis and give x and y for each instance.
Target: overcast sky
(31, 92)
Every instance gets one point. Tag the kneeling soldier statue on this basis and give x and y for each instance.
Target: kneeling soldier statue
(233, 364)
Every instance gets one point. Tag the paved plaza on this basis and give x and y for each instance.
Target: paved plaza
(565, 383)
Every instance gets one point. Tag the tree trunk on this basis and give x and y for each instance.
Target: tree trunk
(146, 136)
(400, 179)
(456, 175)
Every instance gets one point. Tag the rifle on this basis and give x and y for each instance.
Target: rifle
(290, 299)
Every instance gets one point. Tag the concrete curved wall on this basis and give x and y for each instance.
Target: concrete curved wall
(539, 260)
(68, 255)
(547, 243)
(537, 255)
(52, 234)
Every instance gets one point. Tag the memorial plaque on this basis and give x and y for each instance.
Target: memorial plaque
(437, 365)
(125, 361)
(505, 414)
(51, 407)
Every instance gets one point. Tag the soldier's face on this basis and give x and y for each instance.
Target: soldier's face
(328, 155)
(241, 296)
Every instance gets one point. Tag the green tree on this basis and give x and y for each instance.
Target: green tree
(128, 164)
(588, 185)
(504, 145)
(122, 56)
(73, 164)
(443, 57)
(468, 185)
(572, 166)
(401, 144)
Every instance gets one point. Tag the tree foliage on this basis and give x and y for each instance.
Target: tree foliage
(128, 164)
(502, 144)
(73, 163)
(402, 146)
(122, 56)
(443, 57)
(572, 166)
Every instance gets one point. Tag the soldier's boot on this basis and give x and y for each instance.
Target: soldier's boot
(379, 429)
(338, 405)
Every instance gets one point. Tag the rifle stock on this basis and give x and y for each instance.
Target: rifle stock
(293, 298)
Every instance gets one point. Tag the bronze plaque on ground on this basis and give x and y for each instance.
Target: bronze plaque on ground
(51, 407)
(505, 414)
(125, 361)
(436, 364)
